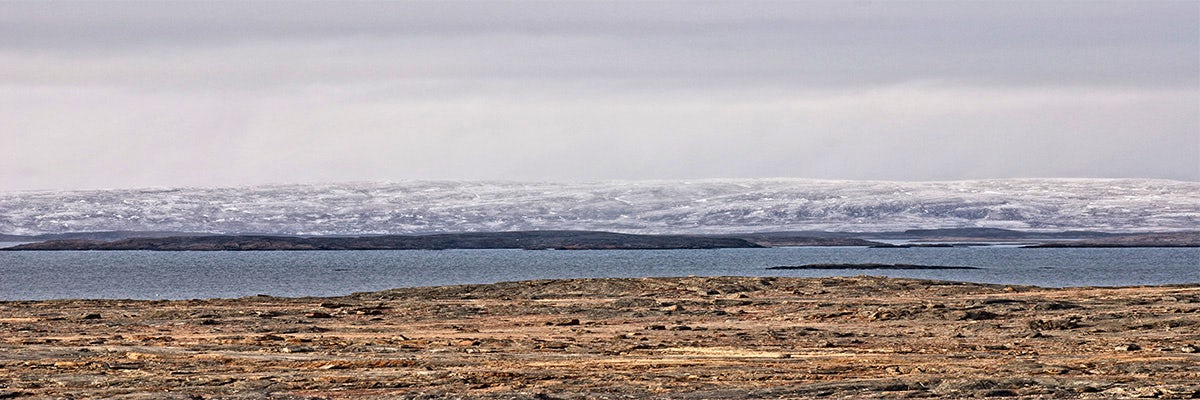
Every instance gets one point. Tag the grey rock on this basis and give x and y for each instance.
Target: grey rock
(1127, 347)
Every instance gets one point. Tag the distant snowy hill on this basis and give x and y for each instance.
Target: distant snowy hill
(703, 206)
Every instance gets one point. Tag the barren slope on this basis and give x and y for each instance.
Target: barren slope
(617, 338)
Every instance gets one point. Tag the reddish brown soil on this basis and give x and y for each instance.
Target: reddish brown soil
(688, 338)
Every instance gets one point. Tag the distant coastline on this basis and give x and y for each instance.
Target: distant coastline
(590, 240)
(532, 240)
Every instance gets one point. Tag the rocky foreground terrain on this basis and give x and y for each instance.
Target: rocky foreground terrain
(687, 338)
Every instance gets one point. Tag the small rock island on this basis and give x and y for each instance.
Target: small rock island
(869, 266)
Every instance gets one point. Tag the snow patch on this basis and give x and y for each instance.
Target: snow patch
(707, 206)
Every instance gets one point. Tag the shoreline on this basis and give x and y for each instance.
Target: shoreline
(593, 240)
(863, 269)
(862, 273)
(695, 337)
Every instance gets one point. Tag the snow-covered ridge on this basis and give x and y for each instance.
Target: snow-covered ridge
(709, 206)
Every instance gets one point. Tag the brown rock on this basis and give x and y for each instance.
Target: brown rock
(564, 322)
(1127, 347)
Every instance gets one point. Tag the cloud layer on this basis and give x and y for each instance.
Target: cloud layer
(135, 94)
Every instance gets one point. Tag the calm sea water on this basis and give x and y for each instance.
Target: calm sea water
(186, 275)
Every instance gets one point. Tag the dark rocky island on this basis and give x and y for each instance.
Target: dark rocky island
(534, 240)
(868, 266)
(812, 238)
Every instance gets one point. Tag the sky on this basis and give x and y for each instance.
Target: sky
(172, 93)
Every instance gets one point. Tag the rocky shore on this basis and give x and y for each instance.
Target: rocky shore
(685, 338)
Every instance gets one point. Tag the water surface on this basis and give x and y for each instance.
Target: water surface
(40, 275)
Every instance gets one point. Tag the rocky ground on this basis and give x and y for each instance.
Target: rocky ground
(686, 338)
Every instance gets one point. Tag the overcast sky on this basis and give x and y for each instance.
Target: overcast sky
(131, 94)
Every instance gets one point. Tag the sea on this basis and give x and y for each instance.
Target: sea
(42, 275)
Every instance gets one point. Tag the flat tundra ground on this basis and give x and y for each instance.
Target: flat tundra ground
(684, 338)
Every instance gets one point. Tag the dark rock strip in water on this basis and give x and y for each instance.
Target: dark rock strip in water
(869, 266)
(531, 240)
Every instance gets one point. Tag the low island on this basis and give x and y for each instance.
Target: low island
(868, 266)
(528, 240)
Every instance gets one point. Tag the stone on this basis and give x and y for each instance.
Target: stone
(1071, 322)
(975, 315)
(296, 349)
(564, 322)
(999, 393)
(1127, 347)
(551, 345)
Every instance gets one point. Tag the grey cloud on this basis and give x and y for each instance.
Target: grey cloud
(119, 94)
(977, 23)
(804, 43)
